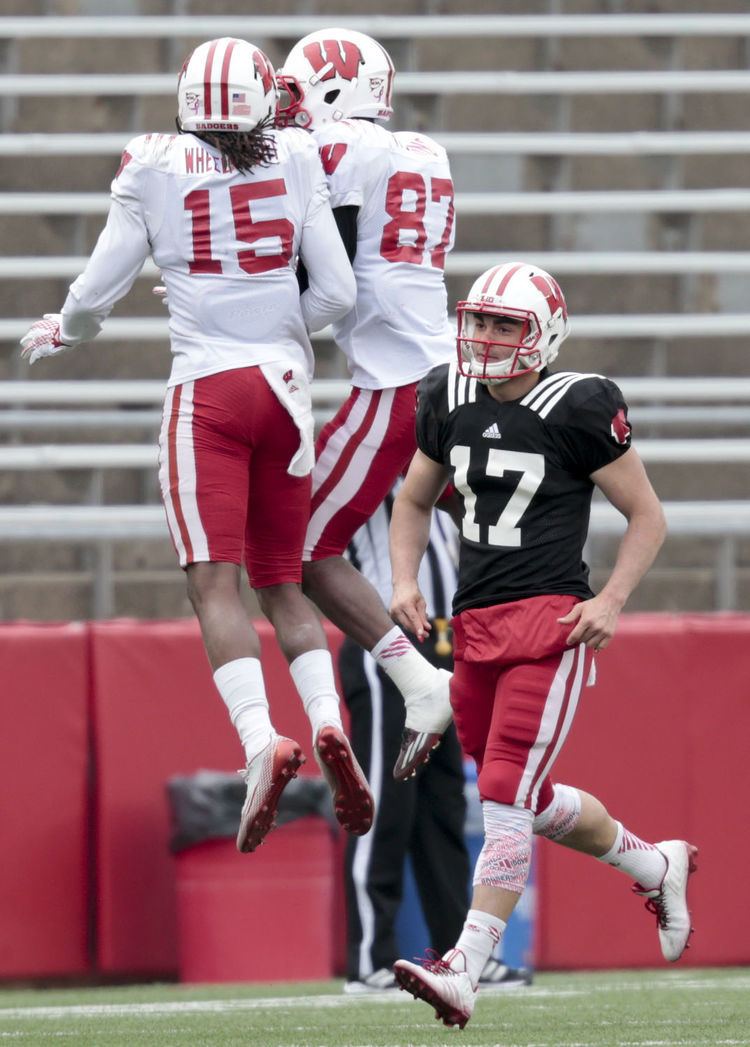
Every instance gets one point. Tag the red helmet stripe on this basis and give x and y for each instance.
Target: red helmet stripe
(490, 277)
(225, 79)
(506, 279)
(391, 74)
(207, 80)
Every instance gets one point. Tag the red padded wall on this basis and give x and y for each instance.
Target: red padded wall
(661, 740)
(44, 885)
(158, 714)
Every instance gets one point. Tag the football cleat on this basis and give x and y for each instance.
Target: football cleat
(426, 720)
(668, 902)
(266, 775)
(497, 975)
(352, 799)
(432, 980)
(379, 981)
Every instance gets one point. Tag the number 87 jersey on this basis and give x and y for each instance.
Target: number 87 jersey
(523, 469)
(401, 184)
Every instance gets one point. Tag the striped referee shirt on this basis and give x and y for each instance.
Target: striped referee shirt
(368, 552)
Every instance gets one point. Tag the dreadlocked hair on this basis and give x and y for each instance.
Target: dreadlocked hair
(245, 149)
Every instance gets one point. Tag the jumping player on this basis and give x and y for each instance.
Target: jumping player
(226, 207)
(392, 197)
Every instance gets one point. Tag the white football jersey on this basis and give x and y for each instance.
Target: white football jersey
(227, 245)
(401, 183)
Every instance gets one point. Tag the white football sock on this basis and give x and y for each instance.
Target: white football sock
(401, 661)
(479, 938)
(636, 858)
(240, 684)
(313, 677)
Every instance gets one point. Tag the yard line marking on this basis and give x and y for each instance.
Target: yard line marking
(532, 994)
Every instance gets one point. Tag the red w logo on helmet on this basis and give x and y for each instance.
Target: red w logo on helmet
(337, 57)
(552, 293)
(264, 70)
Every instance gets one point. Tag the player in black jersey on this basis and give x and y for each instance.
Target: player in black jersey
(525, 449)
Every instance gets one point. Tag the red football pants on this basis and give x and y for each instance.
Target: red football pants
(514, 692)
(224, 449)
(359, 455)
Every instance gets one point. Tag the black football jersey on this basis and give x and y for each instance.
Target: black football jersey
(523, 470)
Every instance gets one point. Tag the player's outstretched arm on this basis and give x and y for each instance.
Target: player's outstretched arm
(117, 259)
(409, 535)
(626, 485)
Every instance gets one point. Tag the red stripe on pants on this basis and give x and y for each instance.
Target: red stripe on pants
(351, 446)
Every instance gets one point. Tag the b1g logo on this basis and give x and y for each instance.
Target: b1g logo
(331, 58)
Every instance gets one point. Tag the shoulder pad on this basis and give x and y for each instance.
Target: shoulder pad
(446, 389)
(152, 150)
(342, 131)
(420, 145)
(460, 389)
(295, 140)
(563, 391)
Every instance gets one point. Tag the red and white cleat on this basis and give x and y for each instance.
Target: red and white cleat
(432, 980)
(352, 799)
(427, 718)
(266, 775)
(668, 902)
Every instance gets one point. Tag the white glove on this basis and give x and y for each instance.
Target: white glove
(43, 339)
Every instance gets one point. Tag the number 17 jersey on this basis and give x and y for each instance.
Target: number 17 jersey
(523, 469)
(401, 183)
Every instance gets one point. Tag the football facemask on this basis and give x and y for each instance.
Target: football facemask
(492, 351)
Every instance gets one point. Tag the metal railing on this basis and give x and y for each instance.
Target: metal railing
(386, 27)
(458, 263)
(100, 527)
(627, 143)
(423, 82)
(641, 201)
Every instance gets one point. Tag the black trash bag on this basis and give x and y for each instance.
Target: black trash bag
(207, 806)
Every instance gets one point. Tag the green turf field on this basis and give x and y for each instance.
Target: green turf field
(647, 1008)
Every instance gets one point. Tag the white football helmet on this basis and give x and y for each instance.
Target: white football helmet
(226, 85)
(333, 74)
(521, 292)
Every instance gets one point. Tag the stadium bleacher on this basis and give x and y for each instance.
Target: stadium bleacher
(610, 148)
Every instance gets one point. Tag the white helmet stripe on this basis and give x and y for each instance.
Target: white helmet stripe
(510, 272)
(490, 277)
(225, 79)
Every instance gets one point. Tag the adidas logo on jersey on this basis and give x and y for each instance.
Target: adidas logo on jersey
(492, 432)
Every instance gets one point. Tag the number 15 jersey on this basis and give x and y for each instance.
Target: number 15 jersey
(401, 183)
(523, 470)
(227, 245)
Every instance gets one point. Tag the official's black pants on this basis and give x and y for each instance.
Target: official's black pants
(423, 818)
